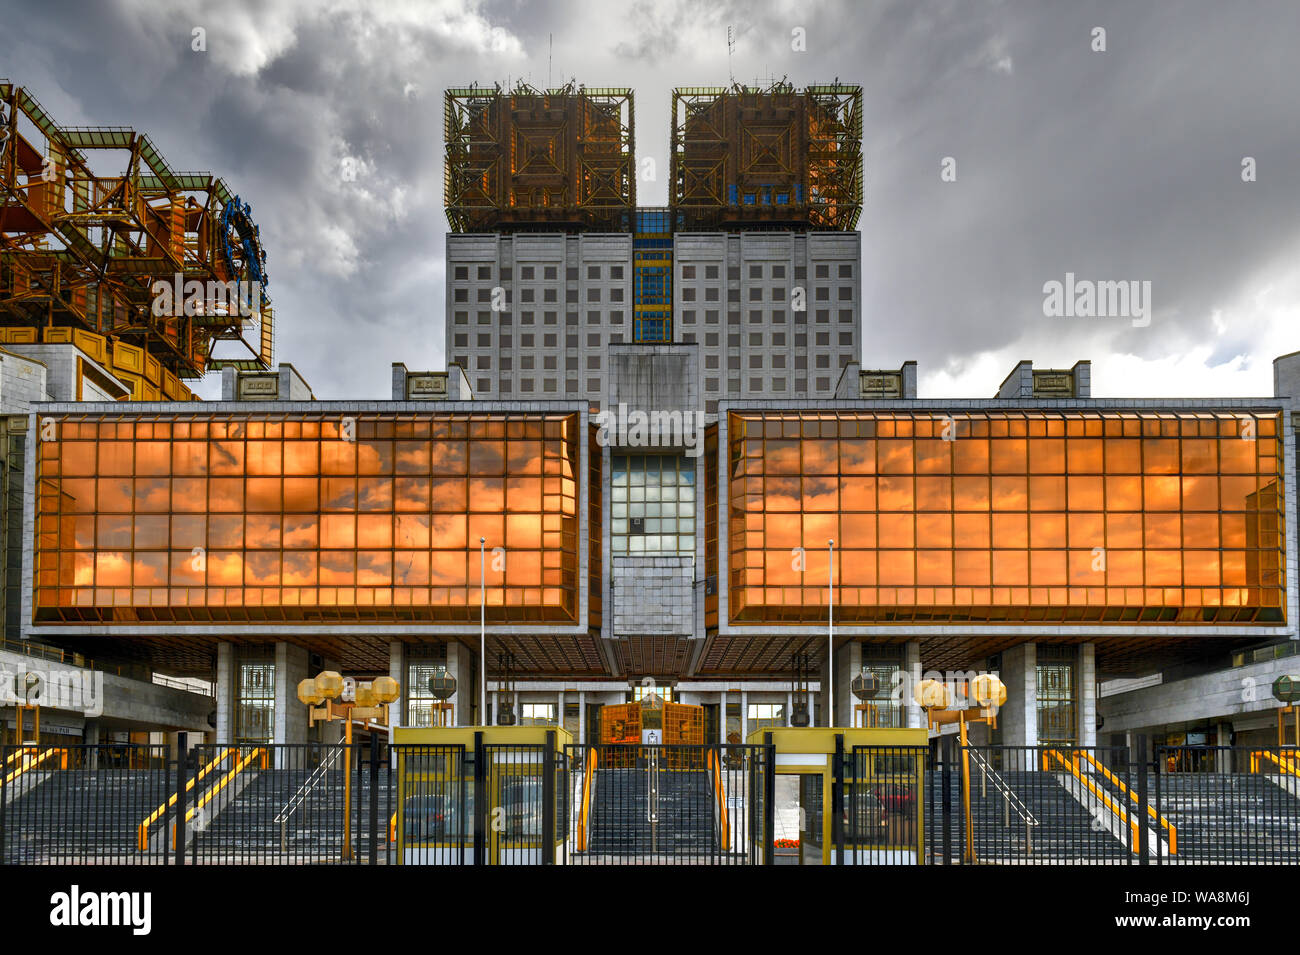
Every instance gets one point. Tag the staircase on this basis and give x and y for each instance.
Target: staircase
(247, 830)
(620, 823)
(1237, 817)
(84, 816)
(1066, 832)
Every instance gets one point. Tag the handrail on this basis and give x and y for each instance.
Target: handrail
(1285, 762)
(1073, 769)
(724, 834)
(295, 802)
(34, 759)
(1123, 788)
(257, 752)
(584, 814)
(142, 831)
(1003, 787)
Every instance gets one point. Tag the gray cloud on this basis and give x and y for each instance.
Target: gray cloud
(1123, 164)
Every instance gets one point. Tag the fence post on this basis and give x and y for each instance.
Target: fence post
(181, 739)
(1143, 766)
(480, 800)
(769, 797)
(4, 805)
(548, 801)
(945, 783)
(374, 798)
(837, 801)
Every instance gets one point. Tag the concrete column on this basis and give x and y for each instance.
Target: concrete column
(789, 708)
(225, 692)
(722, 716)
(1085, 675)
(290, 712)
(744, 716)
(848, 664)
(1019, 718)
(559, 709)
(913, 718)
(1223, 758)
(398, 709)
(582, 717)
(458, 667)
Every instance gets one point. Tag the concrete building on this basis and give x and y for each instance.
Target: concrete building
(654, 459)
(773, 313)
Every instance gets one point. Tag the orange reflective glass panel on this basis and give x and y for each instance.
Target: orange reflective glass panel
(1172, 517)
(375, 517)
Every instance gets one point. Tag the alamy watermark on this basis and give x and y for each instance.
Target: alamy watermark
(180, 297)
(651, 429)
(1085, 298)
(79, 691)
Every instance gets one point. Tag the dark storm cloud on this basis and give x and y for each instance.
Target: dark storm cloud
(1115, 165)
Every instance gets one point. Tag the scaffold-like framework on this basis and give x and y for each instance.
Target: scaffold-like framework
(160, 275)
(527, 159)
(777, 157)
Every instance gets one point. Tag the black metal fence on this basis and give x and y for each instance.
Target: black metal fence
(669, 805)
(528, 804)
(876, 805)
(81, 804)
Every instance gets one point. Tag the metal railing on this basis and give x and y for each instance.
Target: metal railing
(300, 797)
(1171, 831)
(539, 804)
(143, 832)
(1118, 814)
(1010, 801)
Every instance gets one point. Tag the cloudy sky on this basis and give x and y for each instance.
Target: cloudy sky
(1125, 164)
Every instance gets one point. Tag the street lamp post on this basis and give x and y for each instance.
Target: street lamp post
(830, 634)
(482, 631)
(369, 702)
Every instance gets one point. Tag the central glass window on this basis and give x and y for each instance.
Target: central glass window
(255, 703)
(1056, 696)
(653, 501)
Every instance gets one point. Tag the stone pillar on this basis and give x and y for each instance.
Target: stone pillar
(913, 718)
(1019, 718)
(848, 664)
(399, 709)
(290, 712)
(1223, 758)
(458, 667)
(225, 693)
(1085, 675)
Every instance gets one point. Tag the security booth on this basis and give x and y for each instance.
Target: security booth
(848, 796)
(487, 795)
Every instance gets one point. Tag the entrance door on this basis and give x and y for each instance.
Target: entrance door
(811, 836)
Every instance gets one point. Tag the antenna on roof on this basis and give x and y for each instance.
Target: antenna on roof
(731, 48)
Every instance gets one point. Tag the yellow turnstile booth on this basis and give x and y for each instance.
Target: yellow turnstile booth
(875, 818)
(438, 774)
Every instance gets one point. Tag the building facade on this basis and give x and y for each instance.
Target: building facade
(654, 459)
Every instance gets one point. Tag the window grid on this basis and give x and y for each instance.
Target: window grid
(215, 518)
(1135, 518)
(652, 504)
